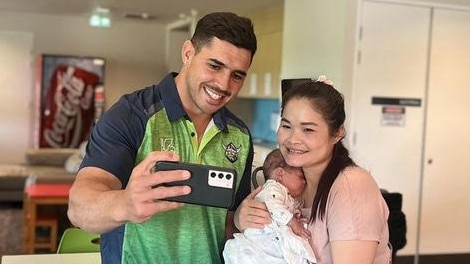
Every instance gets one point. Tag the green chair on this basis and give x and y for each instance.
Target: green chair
(76, 240)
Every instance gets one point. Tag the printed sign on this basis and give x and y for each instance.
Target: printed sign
(71, 98)
(393, 116)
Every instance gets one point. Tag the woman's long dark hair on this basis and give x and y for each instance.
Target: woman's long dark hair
(326, 100)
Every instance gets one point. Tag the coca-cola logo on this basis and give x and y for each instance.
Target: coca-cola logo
(72, 96)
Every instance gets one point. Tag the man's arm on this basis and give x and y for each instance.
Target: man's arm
(98, 204)
(93, 201)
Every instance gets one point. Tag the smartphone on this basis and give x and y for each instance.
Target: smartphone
(210, 185)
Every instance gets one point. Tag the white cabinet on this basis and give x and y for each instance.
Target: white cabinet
(417, 52)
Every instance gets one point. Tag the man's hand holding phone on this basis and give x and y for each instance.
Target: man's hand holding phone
(210, 185)
(143, 200)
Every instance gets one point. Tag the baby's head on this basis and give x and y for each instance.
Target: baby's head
(276, 168)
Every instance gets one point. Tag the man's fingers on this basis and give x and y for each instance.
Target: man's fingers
(160, 177)
(162, 192)
(148, 163)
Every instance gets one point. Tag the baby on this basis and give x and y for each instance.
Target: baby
(280, 241)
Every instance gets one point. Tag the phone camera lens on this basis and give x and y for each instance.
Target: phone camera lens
(221, 175)
(213, 174)
(228, 176)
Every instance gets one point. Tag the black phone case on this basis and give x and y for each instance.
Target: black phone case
(210, 185)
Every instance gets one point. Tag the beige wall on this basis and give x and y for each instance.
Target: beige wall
(319, 39)
(134, 51)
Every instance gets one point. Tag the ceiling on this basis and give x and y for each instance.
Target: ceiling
(164, 11)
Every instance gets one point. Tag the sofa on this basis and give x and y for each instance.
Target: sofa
(47, 165)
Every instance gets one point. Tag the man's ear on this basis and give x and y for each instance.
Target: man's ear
(187, 51)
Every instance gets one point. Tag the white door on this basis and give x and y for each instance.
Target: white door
(16, 122)
(392, 65)
(445, 220)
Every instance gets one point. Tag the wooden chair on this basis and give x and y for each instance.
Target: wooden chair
(50, 222)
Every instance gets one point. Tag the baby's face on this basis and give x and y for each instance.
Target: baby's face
(294, 181)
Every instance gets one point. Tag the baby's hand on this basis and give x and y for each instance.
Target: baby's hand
(298, 215)
(298, 228)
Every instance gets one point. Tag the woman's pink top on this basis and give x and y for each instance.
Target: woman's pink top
(355, 210)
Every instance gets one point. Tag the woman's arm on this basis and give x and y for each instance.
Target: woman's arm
(357, 218)
(251, 213)
(353, 252)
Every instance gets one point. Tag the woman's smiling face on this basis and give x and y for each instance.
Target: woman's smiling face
(303, 135)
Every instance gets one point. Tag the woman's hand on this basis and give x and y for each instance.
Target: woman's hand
(252, 213)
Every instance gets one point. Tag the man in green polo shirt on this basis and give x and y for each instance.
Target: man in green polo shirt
(182, 118)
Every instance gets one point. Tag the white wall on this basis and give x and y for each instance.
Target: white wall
(318, 39)
(134, 53)
(324, 42)
(15, 86)
(418, 51)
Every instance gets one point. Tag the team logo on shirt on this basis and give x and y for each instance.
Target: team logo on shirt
(231, 152)
(166, 144)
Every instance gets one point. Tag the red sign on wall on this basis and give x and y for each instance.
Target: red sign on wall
(71, 98)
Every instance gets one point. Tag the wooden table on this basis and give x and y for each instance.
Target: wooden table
(34, 196)
(70, 258)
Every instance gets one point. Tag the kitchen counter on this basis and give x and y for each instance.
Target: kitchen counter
(72, 258)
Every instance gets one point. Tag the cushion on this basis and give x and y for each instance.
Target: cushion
(49, 156)
(72, 164)
(49, 174)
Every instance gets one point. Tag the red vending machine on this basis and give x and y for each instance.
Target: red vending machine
(70, 98)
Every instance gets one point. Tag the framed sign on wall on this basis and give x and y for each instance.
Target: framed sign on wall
(70, 98)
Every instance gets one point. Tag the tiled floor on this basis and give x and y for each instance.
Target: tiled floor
(11, 220)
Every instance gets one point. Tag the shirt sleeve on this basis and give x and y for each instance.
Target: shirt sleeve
(114, 143)
(356, 209)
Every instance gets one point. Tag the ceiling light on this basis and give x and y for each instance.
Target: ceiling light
(100, 18)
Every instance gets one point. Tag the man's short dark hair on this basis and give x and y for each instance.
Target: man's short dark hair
(225, 26)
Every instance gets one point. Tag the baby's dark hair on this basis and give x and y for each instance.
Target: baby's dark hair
(273, 160)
